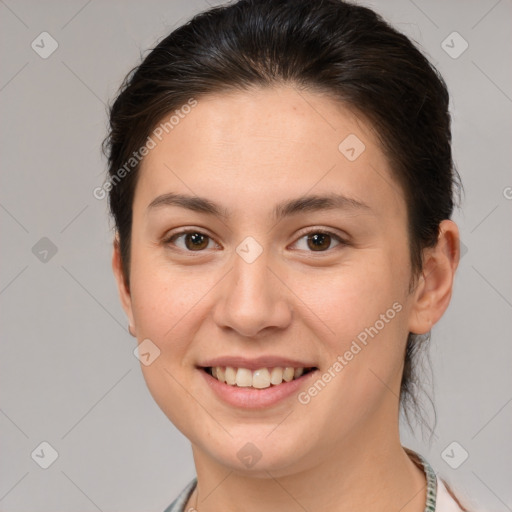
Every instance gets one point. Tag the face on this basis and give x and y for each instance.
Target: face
(240, 274)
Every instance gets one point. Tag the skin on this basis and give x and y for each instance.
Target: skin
(248, 151)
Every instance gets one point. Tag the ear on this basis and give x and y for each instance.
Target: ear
(122, 286)
(433, 290)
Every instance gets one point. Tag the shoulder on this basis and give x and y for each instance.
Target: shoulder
(440, 497)
(449, 501)
(446, 500)
(178, 505)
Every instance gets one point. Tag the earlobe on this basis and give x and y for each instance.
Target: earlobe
(124, 292)
(433, 291)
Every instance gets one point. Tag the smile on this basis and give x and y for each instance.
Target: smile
(260, 378)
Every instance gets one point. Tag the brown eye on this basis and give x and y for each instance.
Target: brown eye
(319, 241)
(194, 241)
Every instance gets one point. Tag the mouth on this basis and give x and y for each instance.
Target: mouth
(256, 383)
(260, 378)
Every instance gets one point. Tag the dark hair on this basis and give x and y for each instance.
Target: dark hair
(327, 46)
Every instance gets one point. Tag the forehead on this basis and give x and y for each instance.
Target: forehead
(250, 148)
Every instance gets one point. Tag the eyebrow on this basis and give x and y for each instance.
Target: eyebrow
(286, 208)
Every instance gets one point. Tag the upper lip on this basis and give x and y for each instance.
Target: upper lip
(255, 363)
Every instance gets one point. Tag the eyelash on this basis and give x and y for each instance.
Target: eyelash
(341, 242)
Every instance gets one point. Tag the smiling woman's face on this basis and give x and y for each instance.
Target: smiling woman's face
(247, 288)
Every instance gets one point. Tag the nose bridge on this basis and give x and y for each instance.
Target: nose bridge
(252, 297)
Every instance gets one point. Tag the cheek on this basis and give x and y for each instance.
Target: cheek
(168, 304)
(352, 298)
(364, 311)
(364, 308)
(164, 303)
(161, 301)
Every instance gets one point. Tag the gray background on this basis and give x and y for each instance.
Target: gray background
(67, 372)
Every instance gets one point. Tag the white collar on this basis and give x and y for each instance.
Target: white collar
(444, 500)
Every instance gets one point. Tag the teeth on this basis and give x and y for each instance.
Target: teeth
(260, 379)
(288, 374)
(230, 376)
(220, 373)
(276, 376)
(244, 378)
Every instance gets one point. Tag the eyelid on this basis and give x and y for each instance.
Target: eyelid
(342, 241)
(168, 238)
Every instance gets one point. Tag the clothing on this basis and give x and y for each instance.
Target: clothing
(445, 502)
(438, 497)
(178, 505)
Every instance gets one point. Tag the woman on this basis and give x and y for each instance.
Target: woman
(281, 180)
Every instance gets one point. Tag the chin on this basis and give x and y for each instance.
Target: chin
(253, 452)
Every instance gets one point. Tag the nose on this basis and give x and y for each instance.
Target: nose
(252, 298)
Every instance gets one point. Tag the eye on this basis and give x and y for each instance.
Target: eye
(193, 241)
(319, 241)
(196, 241)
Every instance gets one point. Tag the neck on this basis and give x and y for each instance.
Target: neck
(369, 471)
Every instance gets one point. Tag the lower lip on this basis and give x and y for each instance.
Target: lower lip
(252, 398)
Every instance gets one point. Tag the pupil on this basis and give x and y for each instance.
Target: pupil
(197, 241)
(319, 237)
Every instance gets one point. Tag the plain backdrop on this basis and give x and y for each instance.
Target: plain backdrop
(68, 376)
